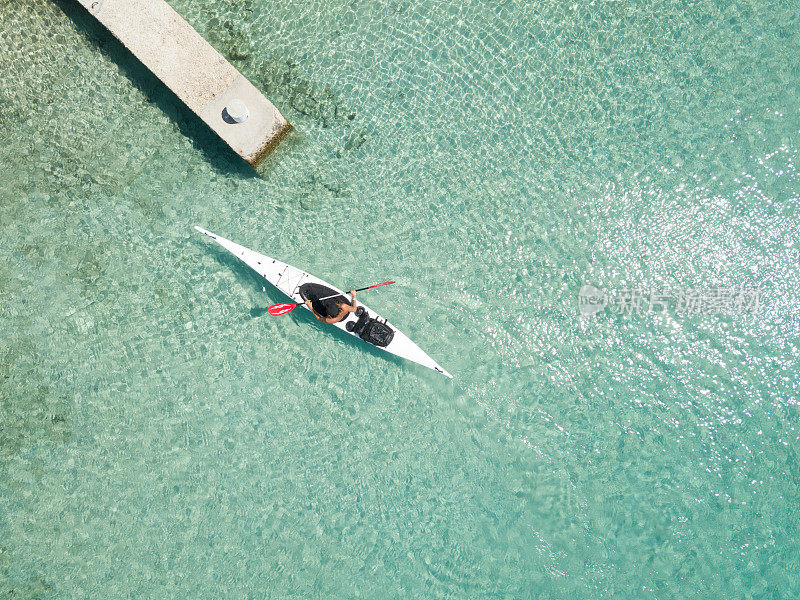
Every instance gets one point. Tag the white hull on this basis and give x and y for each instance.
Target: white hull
(288, 280)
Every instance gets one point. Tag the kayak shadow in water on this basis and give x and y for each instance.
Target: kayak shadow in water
(258, 311)
(230, 262)
(299, 315)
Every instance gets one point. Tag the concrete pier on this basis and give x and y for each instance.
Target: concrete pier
(187, 64)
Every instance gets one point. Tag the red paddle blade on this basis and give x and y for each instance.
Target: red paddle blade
(276, 310)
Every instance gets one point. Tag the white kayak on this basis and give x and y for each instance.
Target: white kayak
(289, 280)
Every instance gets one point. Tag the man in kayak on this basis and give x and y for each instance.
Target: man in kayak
(332, 310)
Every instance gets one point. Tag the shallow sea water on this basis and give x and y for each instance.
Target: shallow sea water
(161, 436)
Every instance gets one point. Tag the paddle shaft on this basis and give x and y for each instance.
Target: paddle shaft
(277, 310)
(358, 290)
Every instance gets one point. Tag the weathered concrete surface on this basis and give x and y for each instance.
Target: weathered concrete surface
(187, 64)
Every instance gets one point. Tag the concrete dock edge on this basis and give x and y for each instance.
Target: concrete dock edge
(199, 75)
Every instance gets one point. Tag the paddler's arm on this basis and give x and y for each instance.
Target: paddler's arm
(335, 319)
(329, 320)
(344, 310)
(311, 308)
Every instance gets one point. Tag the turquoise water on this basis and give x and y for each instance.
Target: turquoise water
(161, 436)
